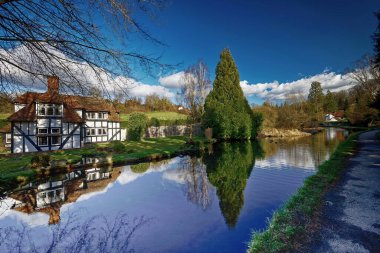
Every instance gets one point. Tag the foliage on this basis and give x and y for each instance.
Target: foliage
(288, 225)
(228, 169)
(40, 160)
(330, 103)
(156, 103)
(117, 146)
(154, 122)
(227, 110)
(137, 124)
(140, 168)
(315, 99)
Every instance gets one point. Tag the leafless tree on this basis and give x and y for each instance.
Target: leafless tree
(367, 77)
(72, 39)
(196, 86)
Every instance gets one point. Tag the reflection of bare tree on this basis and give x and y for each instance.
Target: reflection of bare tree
(194, 174)
(97, 234)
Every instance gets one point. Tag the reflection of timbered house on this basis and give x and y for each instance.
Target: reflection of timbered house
(51, 121)
(49, 193)
(48, 197)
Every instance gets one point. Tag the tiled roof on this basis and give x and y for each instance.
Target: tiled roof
(28, 113)
(70, 102)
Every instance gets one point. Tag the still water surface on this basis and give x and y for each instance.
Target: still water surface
(186, 204)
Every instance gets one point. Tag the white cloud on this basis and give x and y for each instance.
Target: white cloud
(172, 81)
(88, 76)
(280, 91)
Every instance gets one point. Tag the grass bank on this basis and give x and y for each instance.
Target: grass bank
(16, 168)
(288, 225)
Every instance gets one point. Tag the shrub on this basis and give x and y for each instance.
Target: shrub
(154, 122)
(40, 160)
(137, 124)
(117, 147)
(140, 168)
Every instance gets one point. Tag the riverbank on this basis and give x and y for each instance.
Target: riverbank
(349, 220)
(16, 168)
(288, 225)
(275, 132)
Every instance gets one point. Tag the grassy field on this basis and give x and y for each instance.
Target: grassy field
(15, 168)
(289, 224)
(159, 115)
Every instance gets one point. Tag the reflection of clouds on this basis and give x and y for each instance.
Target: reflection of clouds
(33, 220)
(89, 195)
(177, 176)
(128, 176)
(298, 156)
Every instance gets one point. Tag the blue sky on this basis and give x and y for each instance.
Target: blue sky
(271, 41)
(280, 47)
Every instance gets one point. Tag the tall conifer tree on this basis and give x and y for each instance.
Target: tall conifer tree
(226, 109)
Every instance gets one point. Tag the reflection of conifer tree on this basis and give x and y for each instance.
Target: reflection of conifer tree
(228, 170)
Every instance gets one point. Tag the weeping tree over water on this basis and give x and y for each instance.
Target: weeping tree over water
(226, 109)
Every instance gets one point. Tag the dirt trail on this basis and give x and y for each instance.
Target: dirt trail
(351, 215)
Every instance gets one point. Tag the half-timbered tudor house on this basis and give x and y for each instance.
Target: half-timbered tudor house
(52, 121)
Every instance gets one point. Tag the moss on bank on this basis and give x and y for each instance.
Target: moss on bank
(16, 168)
(288, 225)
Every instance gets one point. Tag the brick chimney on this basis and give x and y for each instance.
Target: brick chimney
(53, 84)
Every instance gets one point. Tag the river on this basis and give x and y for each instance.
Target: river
(208, 203)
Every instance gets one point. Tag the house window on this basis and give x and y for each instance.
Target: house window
(50, 194)
(8, 138)
(55, 140)
(42, 141)
(42, 130)
(91, 115)
(42, 195)
(102, 131)
(41, 111)
(90, 131)
(56, 130)
(49, 110)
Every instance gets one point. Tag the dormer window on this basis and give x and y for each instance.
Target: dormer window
(49, 110)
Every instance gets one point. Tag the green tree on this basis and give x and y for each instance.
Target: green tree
(137, 124)
(315, 99)
(331, 104)
(226, 109)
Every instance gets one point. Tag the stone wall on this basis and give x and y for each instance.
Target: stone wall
(165, 131)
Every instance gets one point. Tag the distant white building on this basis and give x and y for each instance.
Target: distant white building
(52, 121)
(330, 118)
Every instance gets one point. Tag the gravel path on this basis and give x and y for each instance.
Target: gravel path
(351, 215)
